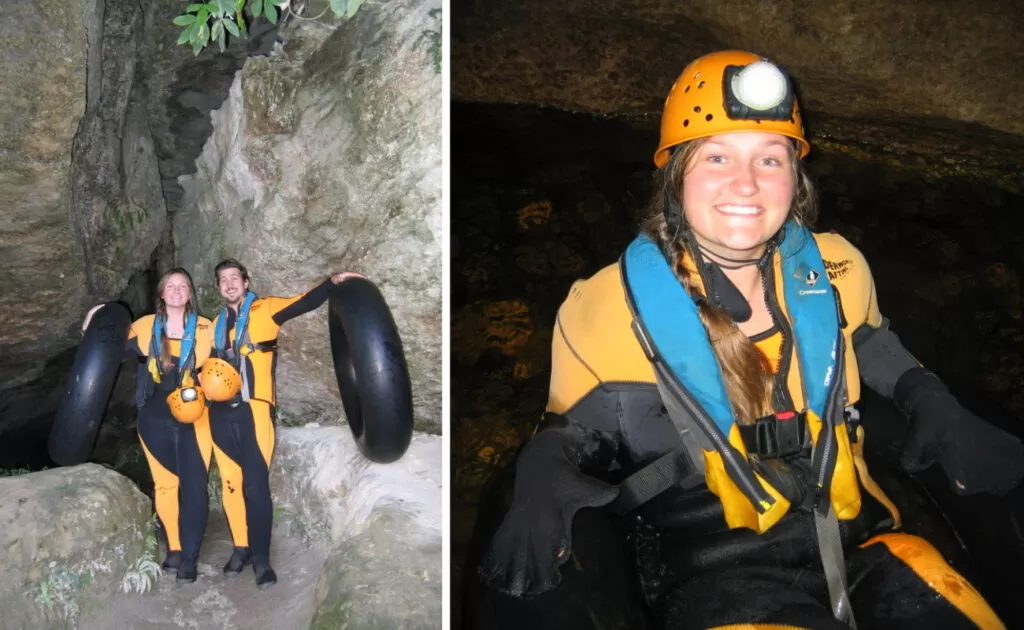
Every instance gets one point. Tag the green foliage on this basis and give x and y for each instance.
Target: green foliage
(345, 8)
(214, 21)
(434, 39)
(142, 575)
(58, 592)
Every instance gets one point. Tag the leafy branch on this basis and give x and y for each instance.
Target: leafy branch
(213, 21)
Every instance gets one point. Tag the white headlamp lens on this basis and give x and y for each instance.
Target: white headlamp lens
(760, 86)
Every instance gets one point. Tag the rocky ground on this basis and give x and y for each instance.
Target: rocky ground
(217, 602)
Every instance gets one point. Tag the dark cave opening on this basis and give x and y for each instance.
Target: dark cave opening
(542, 197)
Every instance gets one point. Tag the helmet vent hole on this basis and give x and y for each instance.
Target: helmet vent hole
(696, 109)
(686, 89)
(700, 85)
(686, 123)
(709, 117)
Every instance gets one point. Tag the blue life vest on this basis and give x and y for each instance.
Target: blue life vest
(188, 342)
(675, 330)
(220, 338)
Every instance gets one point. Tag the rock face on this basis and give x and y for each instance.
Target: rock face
(383, 523)
(70, 538)
(325, 157)
(116, 204)
(83, 210)
(43, 72)
(181, 89)
(851, 58)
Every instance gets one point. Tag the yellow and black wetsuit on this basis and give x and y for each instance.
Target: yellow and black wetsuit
(723, 569)
(178, 453)
(243, 433)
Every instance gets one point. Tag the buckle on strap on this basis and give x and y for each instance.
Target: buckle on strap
(778, 435)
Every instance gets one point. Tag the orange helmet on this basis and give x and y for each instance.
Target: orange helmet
(187, 404)
(729, 91)
(220, 380)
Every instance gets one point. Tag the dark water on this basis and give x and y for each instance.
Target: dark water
(541, 198)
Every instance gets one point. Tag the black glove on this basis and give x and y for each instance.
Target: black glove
(535, 538)
(975, 455)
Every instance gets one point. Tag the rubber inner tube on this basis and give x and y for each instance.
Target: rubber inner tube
(89, 386)
(370, 366)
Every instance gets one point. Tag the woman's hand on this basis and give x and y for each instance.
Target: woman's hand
(339, 277)
(535, 539)
(88, 316)
(976, 456)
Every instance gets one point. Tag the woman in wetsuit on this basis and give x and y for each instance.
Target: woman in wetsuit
(712, 375)
(170, 347)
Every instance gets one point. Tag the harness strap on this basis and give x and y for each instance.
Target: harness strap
(672, 468)
(830, 546)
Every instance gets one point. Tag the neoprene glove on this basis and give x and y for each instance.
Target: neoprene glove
(976, 456)
(535, 539)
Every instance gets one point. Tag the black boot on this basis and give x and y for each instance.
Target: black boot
(172, 561)
(240, 557)
(188, 571)
(265, 576)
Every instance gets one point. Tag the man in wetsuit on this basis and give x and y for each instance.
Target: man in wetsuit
(245, 334)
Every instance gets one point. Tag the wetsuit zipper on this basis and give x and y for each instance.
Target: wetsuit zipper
(783, 400)
(782, 395)
(827, 426)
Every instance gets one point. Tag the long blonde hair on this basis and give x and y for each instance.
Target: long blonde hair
(745, 370)
(165, 358)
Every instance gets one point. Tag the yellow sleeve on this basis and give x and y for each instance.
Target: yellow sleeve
(849, 272)
(139, 335)
(593, 341)
(571, 379)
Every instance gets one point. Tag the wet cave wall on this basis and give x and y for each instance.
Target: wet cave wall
(555, 119)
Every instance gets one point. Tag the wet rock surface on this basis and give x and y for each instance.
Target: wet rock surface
(69, 537)
(918, 60)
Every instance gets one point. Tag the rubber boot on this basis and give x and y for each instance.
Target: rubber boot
(240, 557)
(172, 561)
(188, 571)
(265, 576)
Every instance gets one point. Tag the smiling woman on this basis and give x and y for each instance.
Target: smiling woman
(170, 347)
(705, 385)
(737, 192)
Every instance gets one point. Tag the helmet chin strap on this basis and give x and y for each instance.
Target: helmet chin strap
(719, 288)
(733, 263)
